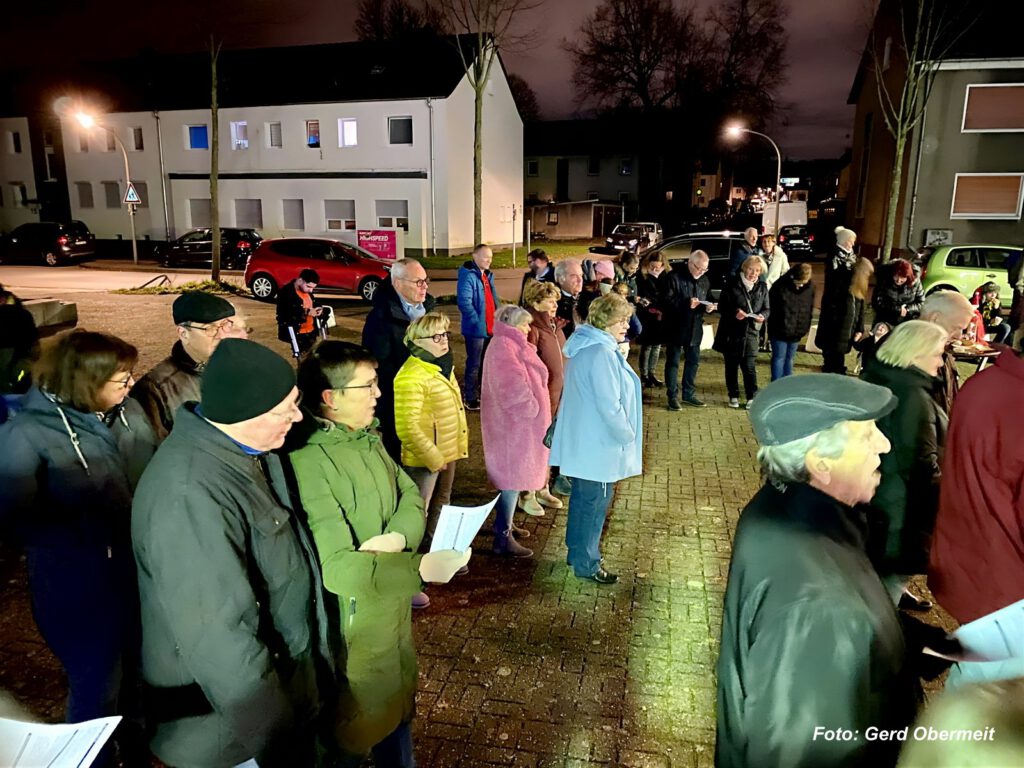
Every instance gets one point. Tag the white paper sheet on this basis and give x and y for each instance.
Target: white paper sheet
(996, 637)
(456, 526)
(38, 745)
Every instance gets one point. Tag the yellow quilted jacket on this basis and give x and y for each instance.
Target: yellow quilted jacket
(429, 417)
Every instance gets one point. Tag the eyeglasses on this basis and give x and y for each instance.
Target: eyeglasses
(125, 383)
(289, 412)
(370, 385)
(437, 337)
(224, 326)
(421, 283)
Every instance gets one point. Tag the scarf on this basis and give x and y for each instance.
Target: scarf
(843, 259)
(747, 284)
(445, 361)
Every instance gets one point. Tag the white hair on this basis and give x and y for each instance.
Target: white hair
(401, 267)
(787, 463)
(562, 267)
(512, 314)
(945, 304)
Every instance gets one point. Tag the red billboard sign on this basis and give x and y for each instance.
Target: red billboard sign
(382, 243)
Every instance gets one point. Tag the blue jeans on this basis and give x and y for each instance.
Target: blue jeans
(691, 355)
(474, 362)
(394, 751)
(783, 353)
(588, 507)
(503, 512)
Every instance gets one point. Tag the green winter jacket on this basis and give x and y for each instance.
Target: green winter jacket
(351, 491)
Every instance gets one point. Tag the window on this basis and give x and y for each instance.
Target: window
(198, 137)
(240, 135)
(313, 134)
(996, 258)
(703, 181)
(83, 141)
(111, 141)
(340, 214)
(532, 197)
(294, 217)
(199, 212)
(137, 143)
(19, 194)
(112, 194)
(532, 168)
(987, 196)
(50, 158)
(347, 132)
(143, 189)
(393, 213)
(592, 195)
(964, 257)
(1, 197)
(593, 166)
(626, 166)
(14, 142)
(48, 139)
(274, 135)
(249, 213)
(400, 130)
(84, 194)
(995, 108)
(552, 218)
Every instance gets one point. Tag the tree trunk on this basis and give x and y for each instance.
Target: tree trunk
(478, 143)
(894, 199)
(214, 164)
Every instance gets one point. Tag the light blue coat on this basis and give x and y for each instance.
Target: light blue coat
(599, 429)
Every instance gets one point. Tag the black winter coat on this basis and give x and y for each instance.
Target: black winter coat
(907, 499)
(566, 312)
(740, 337)
(810, 639)
(384, 330)
(839, 322)
(650, 314)
(683, 326)
(792, 308)
(889, 297)
(290, 311)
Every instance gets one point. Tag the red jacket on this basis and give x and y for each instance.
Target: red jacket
(977, 557)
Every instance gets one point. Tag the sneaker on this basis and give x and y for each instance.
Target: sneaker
(747, 404)
(461, 572)
(734, 402)
(673, 405)
(420, 600)
(471, 405)
(693, 402)
(545, 497)
(562, 486)
(601, 576)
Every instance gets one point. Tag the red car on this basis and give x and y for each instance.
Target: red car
(341, 266)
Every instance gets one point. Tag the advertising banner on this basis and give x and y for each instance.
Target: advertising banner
(382, 243)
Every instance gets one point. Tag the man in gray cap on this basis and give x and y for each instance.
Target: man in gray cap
(201, 321)
(812, 650)
(234, 632)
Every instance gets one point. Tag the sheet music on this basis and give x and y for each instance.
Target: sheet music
(457, 526)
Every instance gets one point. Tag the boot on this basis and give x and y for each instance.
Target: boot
(654, 381)
(645, 380)
(506, 544)
(547, 499)
(529, 504)
(522, 533)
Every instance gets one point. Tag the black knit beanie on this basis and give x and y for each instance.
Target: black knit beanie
(243, 380)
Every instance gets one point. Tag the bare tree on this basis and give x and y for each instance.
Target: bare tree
(393, 19)
(492, 23)
(524, 97)
(904, 71)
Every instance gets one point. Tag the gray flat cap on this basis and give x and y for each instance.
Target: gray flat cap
(798, 406)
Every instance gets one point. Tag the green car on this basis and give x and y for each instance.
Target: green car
(965, 268)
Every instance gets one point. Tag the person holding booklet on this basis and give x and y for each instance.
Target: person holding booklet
(366, 516)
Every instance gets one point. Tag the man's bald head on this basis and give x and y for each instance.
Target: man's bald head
(949, 309)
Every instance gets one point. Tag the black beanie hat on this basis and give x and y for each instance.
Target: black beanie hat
(243, 380)
(200, 307)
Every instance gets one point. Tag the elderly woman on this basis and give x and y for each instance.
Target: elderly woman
(71, 459)
(898, 294)
(430, 419)
(598, 436)
(908, 496)
(841, 321)
(774, 260)
(792, 302)
(744, 309)
(546, 335)
(515, 414)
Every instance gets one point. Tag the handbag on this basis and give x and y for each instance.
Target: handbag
(549, 436)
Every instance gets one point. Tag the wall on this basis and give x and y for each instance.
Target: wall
(15, 167)
(609, 184)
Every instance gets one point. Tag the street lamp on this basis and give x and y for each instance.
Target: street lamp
(734, 132)
(88, 122)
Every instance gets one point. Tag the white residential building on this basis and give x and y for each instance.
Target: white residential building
(17, 177)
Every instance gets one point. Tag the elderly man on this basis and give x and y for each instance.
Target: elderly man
(953, 312)
(745, 250)
(977, 556)
(478, 301)
(396, 303)
(201, 320)
(811, 643)
(684, 301)
(569, 278)
(298, 312)
(233, 630)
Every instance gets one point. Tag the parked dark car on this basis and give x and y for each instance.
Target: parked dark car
(342, 267)
(195, 247)
(795, 240)
(633, 238)
(48, 242)
(717, 245)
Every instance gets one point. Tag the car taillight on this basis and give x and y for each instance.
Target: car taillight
(782, 238)
(810, 238)
(63, 240)
(243, 244)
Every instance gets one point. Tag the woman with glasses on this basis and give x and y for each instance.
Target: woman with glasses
(429, 416)
(71, 459)
(744, 307)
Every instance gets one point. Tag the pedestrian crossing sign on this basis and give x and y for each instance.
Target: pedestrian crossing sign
(131, 195)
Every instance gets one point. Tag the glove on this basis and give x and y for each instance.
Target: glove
(439, 567)
(385, 542)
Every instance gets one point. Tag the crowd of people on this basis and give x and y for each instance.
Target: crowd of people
(227, 552)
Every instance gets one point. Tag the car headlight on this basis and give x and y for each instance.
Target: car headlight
(633, 242)
(607, 239)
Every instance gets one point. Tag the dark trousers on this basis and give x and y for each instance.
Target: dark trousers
(833, 361)
(588, 507)
(746, 362)
(475, 349)
(691, 364)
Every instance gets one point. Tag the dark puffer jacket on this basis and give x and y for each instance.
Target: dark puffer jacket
(683, 326)
(840, 320)
(163, 390)
(792, 308)
(889, 298)
(740, 337)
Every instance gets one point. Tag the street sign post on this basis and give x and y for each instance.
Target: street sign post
(131, 195)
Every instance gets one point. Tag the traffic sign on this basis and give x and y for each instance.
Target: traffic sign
(131, 195)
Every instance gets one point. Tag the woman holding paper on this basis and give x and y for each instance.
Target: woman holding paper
(515, 415)
(366, 516)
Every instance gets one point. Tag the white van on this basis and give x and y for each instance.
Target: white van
(790, 214)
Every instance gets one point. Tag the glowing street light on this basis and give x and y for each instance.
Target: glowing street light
(88, 122)
(734, 132)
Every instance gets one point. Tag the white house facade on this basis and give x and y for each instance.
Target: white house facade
(17, 176)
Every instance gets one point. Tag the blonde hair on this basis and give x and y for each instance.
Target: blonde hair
(428, 325)
(803, 273)
(747, 262)
(609, 310)
(910, 341)
(862, 272)
(535, 292)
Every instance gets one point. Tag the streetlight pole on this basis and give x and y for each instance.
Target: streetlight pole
(736, 131)
(88, 121)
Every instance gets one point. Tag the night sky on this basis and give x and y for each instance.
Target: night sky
(825, 41)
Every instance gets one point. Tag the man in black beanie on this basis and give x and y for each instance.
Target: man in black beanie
(234, 632)
(202, 321)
